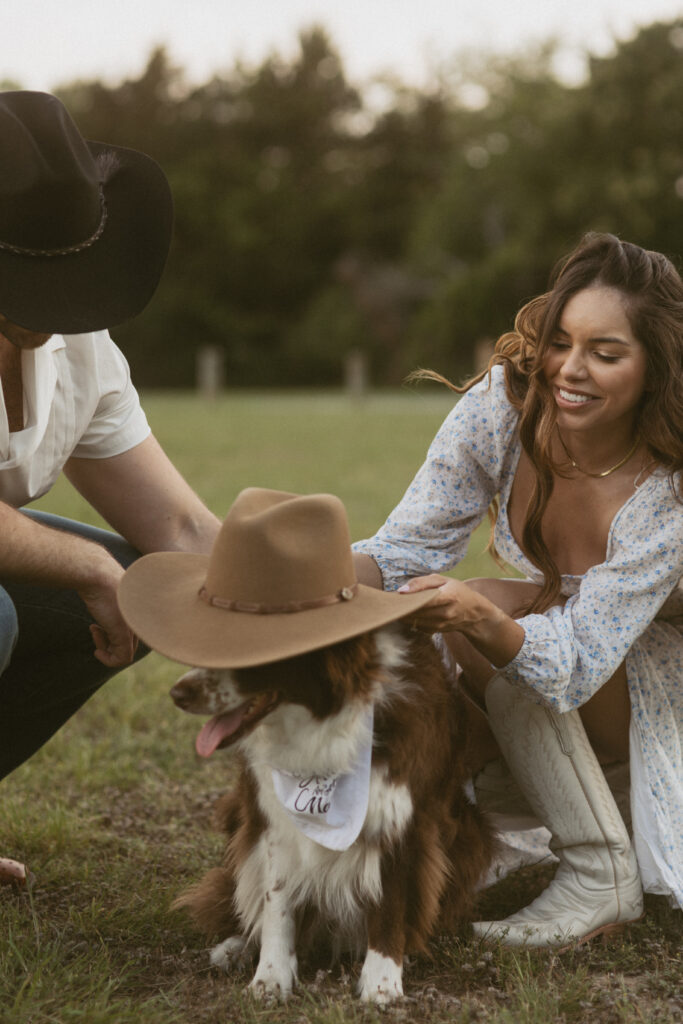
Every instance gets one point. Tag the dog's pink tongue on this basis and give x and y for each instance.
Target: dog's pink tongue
(216, 730)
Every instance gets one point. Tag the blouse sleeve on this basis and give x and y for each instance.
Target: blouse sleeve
(569, 653)
(430, 528)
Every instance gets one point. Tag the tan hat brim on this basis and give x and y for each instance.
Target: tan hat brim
(159, 599)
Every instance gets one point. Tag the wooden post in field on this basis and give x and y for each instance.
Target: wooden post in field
(355, 373)
(210, 370)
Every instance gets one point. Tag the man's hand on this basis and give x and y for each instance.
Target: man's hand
(115, 643)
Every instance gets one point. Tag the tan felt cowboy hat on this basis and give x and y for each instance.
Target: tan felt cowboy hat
(85, 227)
(279, 582)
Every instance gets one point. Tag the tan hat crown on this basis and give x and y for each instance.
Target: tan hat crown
(279, 552)
(276, 554)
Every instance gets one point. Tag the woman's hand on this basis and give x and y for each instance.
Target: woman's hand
(455, 606)
(451, 608)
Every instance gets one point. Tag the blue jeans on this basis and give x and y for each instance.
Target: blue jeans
(47, 663)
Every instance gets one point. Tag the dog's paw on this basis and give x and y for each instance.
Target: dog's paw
(381, 980)
(230, 954)
(272, 983)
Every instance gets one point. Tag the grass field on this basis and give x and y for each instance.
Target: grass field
(113, 815)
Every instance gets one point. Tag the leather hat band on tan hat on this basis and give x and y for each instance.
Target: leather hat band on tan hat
(257, 608)
(279, 581)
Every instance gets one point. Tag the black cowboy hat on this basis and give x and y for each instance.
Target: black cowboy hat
(84, 226)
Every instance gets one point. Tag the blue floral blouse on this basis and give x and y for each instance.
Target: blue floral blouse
(627, 608)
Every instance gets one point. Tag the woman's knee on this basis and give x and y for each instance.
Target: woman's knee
(512, 596)
(9, 629)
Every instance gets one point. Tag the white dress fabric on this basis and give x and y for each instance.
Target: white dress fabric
(78, 400)
(570, 652)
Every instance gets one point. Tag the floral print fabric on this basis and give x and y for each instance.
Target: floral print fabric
(609, 617)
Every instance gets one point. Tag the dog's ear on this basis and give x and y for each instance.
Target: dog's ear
(352, 668)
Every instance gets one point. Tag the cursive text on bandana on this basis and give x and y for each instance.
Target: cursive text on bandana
(329, 809)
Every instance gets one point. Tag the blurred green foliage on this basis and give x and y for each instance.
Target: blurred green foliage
(309, 224)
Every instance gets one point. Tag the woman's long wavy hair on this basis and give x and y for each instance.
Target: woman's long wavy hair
(653, 291)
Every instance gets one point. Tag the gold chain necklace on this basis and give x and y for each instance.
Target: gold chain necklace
(606, 472)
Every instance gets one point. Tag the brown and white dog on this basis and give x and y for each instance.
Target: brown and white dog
(349, 818)
(422, 846)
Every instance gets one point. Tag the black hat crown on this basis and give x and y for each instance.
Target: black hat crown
(84, 227)
(51, 197)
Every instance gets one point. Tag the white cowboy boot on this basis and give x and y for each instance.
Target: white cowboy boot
(597, 887)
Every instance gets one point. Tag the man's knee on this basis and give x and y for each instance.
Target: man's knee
(121, 550)
(9, 629)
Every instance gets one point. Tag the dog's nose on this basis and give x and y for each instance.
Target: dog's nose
(182, 693)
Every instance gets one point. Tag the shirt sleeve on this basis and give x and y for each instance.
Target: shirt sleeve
(430, 528)
(569, 653)
(118, 421)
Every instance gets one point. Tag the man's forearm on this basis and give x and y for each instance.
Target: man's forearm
(31, 552)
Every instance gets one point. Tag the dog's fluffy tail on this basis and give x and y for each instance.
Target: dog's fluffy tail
(211, 904)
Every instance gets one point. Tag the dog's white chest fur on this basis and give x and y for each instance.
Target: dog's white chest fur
(338, 882)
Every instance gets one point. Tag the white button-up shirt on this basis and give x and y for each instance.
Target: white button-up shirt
(78, 400)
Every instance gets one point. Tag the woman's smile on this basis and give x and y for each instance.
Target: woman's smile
(565, 396)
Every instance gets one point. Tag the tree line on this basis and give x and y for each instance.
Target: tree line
(310, 225)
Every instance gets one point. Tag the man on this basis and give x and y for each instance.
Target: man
(84, 233)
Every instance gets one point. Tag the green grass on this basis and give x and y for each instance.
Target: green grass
(113, 815)
(365, 451)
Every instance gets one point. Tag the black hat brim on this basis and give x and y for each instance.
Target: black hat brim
(111, 280)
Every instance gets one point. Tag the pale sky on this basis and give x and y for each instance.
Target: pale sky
(46, 43)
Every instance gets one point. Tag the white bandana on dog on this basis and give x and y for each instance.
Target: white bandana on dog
(329, 809)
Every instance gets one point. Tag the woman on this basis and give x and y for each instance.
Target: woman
(575, 435)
